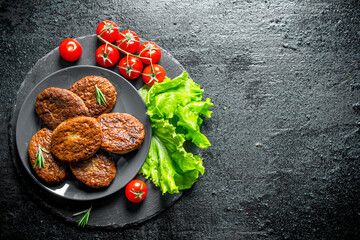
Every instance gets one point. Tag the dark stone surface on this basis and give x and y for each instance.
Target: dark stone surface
(284, 77)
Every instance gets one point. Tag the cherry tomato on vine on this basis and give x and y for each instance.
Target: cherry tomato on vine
(108, 31)
(130, 67)
(128, 41)
(70, 49)
(150, 77)
(107, 56)
(150, 50)
(136, 191)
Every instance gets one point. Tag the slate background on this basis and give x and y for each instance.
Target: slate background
(285, 80)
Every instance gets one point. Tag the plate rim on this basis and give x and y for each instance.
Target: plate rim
(36, 178)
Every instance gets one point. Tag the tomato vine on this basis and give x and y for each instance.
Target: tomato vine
(149, 46)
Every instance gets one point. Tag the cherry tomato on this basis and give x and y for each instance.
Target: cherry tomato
(107, 56)
(150, 77)
(129, 41)
(130, 67)
(150, 50)
(136, 191)
(108, 31)
(70, 49)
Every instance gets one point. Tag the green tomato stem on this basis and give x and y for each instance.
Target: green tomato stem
(123, 51)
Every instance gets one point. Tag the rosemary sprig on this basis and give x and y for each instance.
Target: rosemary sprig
(84, 219)
(40, 159)
(99, 95)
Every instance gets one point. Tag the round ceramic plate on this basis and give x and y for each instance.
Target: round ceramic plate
(128, 101)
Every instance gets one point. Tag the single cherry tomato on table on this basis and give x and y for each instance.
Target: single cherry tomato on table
(107, 56)
(150, 76)
(130, 67)
(70, 49)
(150, 50)
(108, 30)
(128, 41)
(136, 191)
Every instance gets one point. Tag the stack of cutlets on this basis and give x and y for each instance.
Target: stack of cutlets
(81, 133)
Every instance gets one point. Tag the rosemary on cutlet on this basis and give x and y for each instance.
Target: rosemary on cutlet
(85, 218)
(40, 159)
(99, 95)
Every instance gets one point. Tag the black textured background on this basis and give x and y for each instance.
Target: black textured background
(285, 80)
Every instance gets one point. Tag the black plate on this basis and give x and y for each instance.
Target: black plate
(128, 101)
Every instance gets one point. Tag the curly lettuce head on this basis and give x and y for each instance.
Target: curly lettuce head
(176, 109)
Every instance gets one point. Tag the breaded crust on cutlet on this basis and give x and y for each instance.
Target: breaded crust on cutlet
(122, 132)
(54, 170)
(97, 171)
(55, 105)
(85, 89)
(76, 139)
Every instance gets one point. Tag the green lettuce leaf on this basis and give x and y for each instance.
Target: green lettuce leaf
(175, 108)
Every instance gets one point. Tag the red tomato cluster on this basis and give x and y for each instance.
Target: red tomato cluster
(135, 55)
(125, 44)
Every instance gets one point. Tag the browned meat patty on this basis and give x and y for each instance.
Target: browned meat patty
(53, 171)
(55, 105)
(85, 89)
(96, 172)
(76, 139)
(122, 133)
